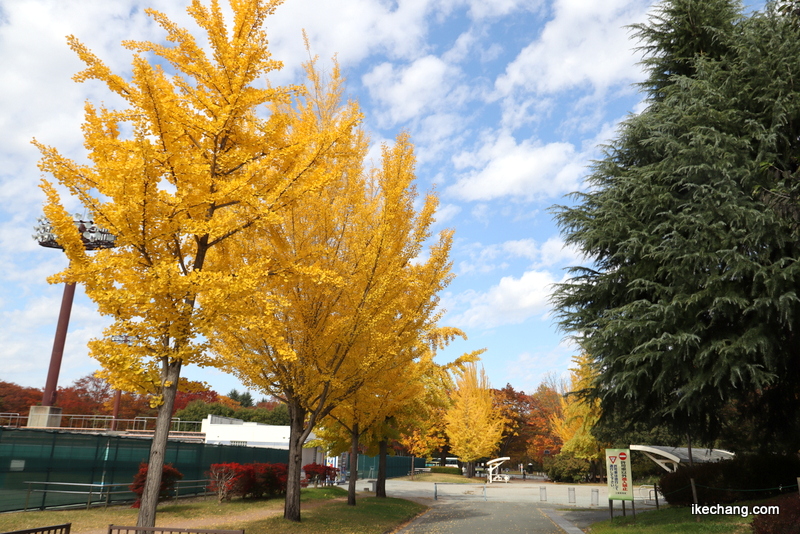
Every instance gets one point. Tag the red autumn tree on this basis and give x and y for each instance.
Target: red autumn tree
(88, 395)
(17, 399)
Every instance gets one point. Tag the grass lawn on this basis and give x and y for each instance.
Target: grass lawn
(392, 511)
(98, 518)
(370, 516)
(674, 521)
(443, 477)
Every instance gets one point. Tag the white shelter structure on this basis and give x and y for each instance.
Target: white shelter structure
(492, 470)
(229, 431)
(669, 458)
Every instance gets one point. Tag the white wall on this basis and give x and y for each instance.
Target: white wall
(228, 431)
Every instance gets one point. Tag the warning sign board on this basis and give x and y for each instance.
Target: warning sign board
(618, 468)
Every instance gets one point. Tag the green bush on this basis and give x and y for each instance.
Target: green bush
(565, 467)
(446, 470)
(745, 477)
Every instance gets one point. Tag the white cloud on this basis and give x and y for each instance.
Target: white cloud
(527, 170)
(484, 259)
(351, 29)
(480, 213)
(586, 43)
(27, 338)
(555, 252)
(531, 368)
(488, 258)
(480, 9)
(511, 301)
(446, 212)
(461, 49)
(522, 248)
(408, 92)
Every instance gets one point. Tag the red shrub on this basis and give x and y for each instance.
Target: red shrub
(786, 522)
(169, 476)
(257, 480)
(270, 479)
(229, 479)
(317, 473)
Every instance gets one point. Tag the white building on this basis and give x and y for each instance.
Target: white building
(220, 430)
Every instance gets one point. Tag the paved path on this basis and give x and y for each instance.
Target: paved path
(483, 517)
(518, 507)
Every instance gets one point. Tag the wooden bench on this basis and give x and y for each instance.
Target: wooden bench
(55, 529)
(116, 529)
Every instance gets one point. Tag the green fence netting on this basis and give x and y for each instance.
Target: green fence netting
(31, 455)
(396, 466)
(52, 456)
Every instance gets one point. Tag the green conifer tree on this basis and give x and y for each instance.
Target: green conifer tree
(691, 302)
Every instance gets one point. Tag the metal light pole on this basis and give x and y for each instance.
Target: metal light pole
(93, 238)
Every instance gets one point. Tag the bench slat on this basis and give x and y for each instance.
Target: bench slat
(55, 529)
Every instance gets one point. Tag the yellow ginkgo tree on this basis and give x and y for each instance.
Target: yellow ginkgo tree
(398, 397)
(473, 423)
(354, 296)
(578, 415)
(205, 153)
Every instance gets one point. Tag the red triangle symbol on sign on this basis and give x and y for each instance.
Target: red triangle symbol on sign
(612, 458)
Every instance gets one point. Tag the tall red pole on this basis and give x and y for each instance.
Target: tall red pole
(49, 397)
(115, 413)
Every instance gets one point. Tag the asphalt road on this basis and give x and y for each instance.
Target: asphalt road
(512, 508)
(483, 517)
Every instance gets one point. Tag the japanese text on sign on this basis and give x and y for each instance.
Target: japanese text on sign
(618, 467)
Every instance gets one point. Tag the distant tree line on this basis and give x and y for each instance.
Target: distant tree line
(90, 395)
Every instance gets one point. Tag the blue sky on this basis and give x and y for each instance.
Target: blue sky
(507, 102)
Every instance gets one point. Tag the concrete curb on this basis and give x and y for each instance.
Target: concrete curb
(560, 522)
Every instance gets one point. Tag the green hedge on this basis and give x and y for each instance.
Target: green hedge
(745, 477)
(564, 467)
(446, 470)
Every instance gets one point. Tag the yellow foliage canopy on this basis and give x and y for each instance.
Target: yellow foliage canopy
(474, 425)
(348, 298)
(574, 424)
(209, 154)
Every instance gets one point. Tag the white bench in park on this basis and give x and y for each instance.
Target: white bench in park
(493, 470)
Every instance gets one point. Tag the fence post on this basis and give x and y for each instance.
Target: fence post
(543, 493)
(655, 490)
(89, 500)
(571, 495)
(435, 494)
(595, 497)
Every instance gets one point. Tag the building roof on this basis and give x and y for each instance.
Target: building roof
(670, 458)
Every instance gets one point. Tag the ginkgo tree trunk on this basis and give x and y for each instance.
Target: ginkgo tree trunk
(397, 390)
(205, 152)
(386, 388)
(316, 330)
